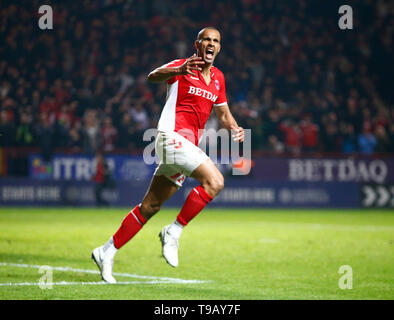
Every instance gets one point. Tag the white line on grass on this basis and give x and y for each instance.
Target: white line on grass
(153, 279)
(66, 283)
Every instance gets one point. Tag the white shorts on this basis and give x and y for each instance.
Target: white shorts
(178, 157)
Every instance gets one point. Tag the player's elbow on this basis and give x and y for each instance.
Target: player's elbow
(151, 77)
(155, 76)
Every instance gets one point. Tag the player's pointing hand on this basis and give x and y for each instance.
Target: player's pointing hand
(192, 63)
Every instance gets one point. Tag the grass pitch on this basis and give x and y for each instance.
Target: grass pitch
(250, 254)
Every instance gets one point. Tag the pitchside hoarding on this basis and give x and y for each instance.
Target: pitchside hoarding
(242, 192)
(82, 167)
(272, 182)
(127, 168)
(325, 170)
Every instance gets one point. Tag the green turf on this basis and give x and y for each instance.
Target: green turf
(245, 254)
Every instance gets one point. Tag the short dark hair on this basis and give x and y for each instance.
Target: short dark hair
(199, 35)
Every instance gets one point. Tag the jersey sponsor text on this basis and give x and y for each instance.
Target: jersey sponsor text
(202, 93)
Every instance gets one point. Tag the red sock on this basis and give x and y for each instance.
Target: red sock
(197, 199)
(131, 224)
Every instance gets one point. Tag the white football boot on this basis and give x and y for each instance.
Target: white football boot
(170, 247)
(104, 264)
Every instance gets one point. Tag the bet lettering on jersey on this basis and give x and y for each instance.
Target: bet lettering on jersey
(202, 93)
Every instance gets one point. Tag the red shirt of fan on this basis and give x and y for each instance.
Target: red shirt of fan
(190, 101)
(310, 134)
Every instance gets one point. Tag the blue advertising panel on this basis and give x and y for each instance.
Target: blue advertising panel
(127, 168)
(272, 182)
(364, 170)
(82, 167)
(242, 192)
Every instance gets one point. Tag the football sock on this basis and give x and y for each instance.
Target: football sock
(197, 199)
(131, 224)
(109, 249)
(175, 229)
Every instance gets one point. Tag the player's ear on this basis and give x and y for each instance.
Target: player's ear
(196, 44)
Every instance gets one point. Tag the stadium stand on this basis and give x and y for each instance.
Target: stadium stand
(292, 76)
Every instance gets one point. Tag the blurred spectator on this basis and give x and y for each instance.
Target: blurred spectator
(7, 130)
(63, 125)
(391, 137)
(310, 132)
(49, 107)
(74, 140)
(140, 116)
(287, 59)
(109, 135)
(270, 125)
(127, 128)
(45, 135)
(293, 136)
(382, 140)
(331, 138)
(102, 178)
(275, 145)
(141, 119)
(349, 143)
(366, 141)
(352, 115)
(90, 133)
(24, 131)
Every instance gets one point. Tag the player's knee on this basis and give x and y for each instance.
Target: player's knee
(214, 185)
(219, 183)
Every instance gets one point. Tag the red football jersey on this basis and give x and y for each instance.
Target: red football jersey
(190, 100)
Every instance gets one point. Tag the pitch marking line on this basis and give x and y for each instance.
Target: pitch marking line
(65, 283)
(151, 279)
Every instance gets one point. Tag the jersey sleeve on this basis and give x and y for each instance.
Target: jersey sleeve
(172, 64)
(222, 99)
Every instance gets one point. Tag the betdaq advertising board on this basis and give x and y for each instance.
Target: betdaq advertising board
(127, 168)
(367, 170)
(272, 182)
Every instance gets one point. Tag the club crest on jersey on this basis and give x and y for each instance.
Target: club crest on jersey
(202, 93)
(217, 84)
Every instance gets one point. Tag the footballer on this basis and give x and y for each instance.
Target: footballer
(194, 87)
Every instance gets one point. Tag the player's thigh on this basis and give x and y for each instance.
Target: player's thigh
(209, 176)
(160, 190)
(177, 155)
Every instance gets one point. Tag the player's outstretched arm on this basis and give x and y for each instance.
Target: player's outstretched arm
(225, 117)
(164, 73)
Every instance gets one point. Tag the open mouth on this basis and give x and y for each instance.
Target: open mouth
(209, 53)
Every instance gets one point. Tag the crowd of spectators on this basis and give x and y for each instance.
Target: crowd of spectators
(293, 77)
